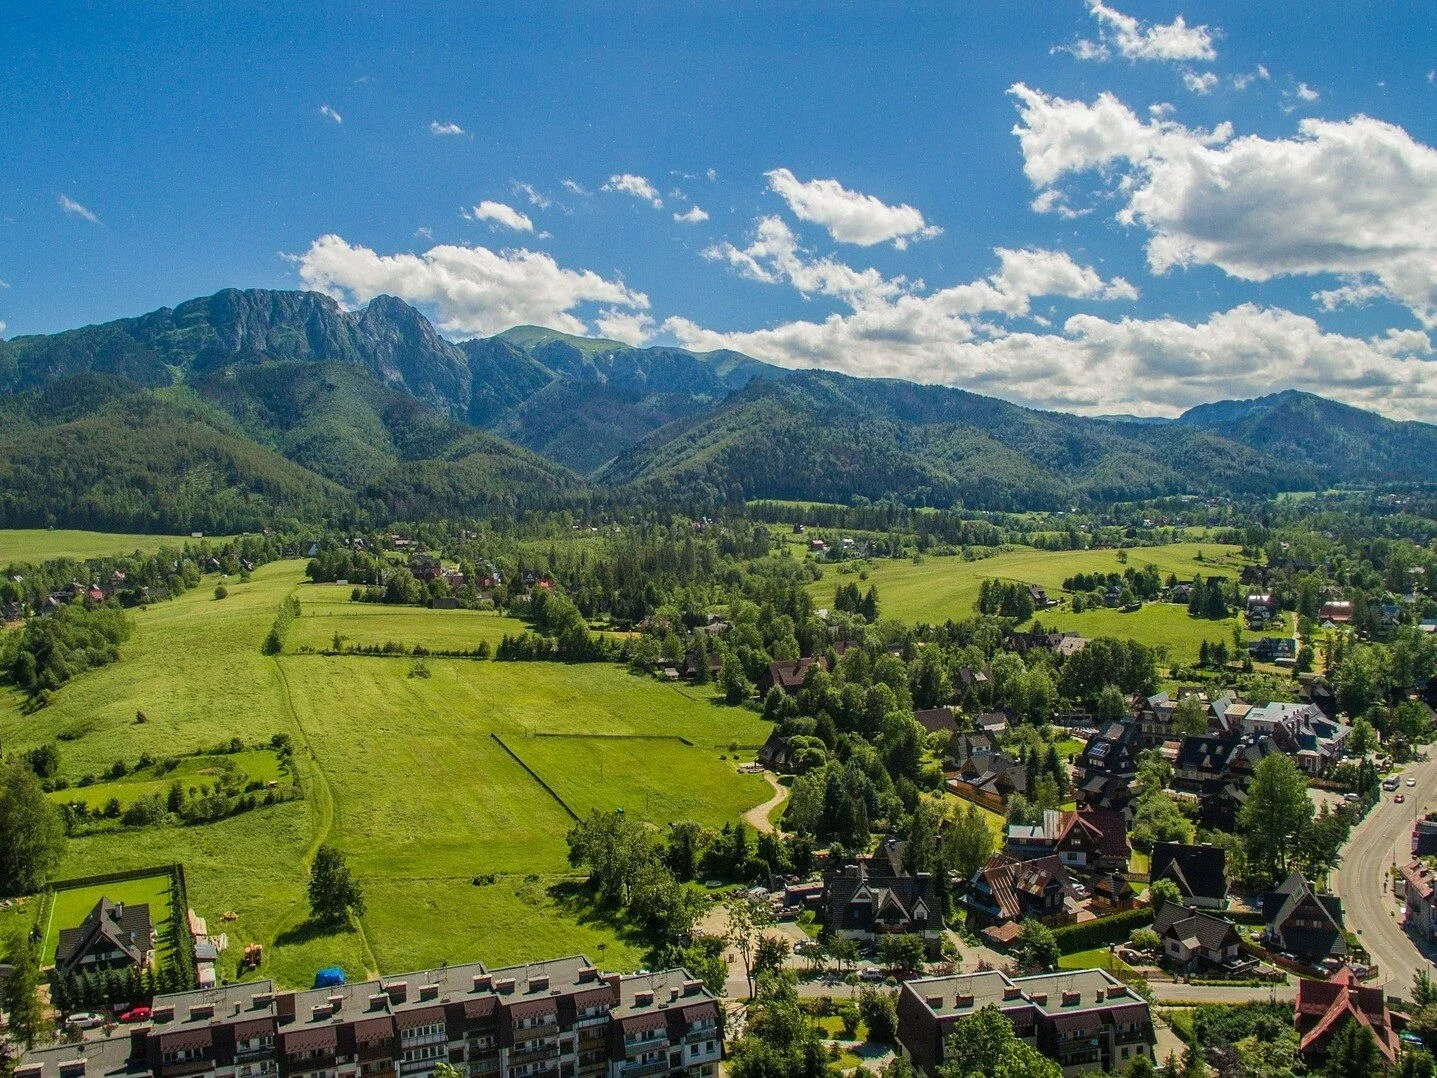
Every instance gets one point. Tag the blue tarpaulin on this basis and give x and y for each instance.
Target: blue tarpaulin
(329, 977)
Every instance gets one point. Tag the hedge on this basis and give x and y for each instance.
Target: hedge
(1115, 929)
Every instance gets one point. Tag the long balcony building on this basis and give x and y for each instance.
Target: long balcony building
(555, 1019)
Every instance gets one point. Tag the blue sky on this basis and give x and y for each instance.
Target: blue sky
(1101, 207)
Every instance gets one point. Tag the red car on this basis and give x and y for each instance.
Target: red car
(1400, 798)
(136, 1014)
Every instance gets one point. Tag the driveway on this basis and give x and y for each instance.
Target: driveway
(1364, 880)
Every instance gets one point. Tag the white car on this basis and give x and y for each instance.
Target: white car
(84, 1020)
(1411, 782)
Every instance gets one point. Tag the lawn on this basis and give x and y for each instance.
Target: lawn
(946, 587)
(1097, 958)
(399, 771)
(326, 609)
(72, 904)
(36, 545)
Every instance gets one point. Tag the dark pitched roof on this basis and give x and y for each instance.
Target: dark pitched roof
(1296, 894)
(1198, 871)
(936, 719)
(856, 900)
(1182, 923)
(1108, 828)
(110, 926)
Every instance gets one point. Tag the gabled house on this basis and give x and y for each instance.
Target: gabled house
(1203, 762)
(1198, 871)
(1302, 922)
(1419, 894)
(1104, 771)
(859, 904)
(1089, 840)
(1324, 1007)
(112, 936)
(992, 722)
(1193, 940)
(787, 675)
(774, 752)
(936, 720)
(1006, 890)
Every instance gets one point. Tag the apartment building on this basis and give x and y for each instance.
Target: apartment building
(1084, 1020)
(556, 1019)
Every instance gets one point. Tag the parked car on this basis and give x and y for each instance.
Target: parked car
(872, 973)
(1349, 796)
(1411, 781)
(1399, 798)
(84, 1020)
(136, 1014)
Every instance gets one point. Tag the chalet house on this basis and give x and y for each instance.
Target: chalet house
(1203, 762)
(1273, 649)
(1193, 941)
(1419, 892)
(1084, 1020)
(1006, 890)
(787, 675)
(544, 1020)
(987, 776)
(774, 752)
(992, 722)
(1040, 597)
(1155, 715)
(1335, 613)
(1105, 769)
(1424, 836)
(1302, 922)
(1198, 871)
(1057, 643)
(970, 680)
(1324, 1007)
(862, 901)
(690, 669)
(936, 720)
(112, 936)
(1090, 840)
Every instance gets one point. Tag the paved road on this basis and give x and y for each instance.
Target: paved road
(1168, 992)
(1364, 880)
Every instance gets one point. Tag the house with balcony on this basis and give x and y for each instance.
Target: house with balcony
(1084, 1020)
(1198, 942)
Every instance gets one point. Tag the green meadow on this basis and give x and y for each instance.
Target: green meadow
(940, 588)
(191, 772)
(460, 850)
(326, 609)
(71, 905)
(36, 545)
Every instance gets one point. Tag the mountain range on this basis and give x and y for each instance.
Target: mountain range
(254, 407)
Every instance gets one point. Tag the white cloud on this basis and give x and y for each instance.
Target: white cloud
(501, 214)
(1306, 93)
(630, 327)
(329, 114)
(1094, 365)
(424, 232)
(629, 184)
(4, 284)
(1242, 82)
(69, 205)
(1199, 83)
(692, 216)
(849, 216)
(533, 194)
(574, 186)
(437, 128)
(1355, 198)
(712, 174)
(1137, 40)
(471, 289)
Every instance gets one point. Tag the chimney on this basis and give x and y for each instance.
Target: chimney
(162, 1014)
(138, 1040)
(73, 1068)
(238, 1007)
(428, 991)
(589, 975)
(691, 988)
(336, 1003)
(934, 1002)
(504, 986)
(1012, 992)
(320, 1011)
(644, 999)
(1098, 996)
(202, 1010)
(1070, 998)
(483, 982)
(261, 999)
(397, 991)
(1040, 998)
(964, 999)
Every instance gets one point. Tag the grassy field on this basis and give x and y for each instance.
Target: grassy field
(1097, 958)
(947, 587)
(36, 545)
(72, 904)
(326, 609)
(399, 771)
(191, 772)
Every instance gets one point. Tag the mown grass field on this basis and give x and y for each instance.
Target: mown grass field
(947, 587)
(326, 609)
(70, 906)
(36, 545)
(399, 771)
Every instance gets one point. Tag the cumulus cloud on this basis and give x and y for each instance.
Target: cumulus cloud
(1095, 365)
(69, 205)
(630, 327)
(471, 289)
(849, 216)
(329, 114)
(628, 184)
(1137, 40)
(1256, 208)
(1199, 83)
(501, 214)
(533, 194)
(692, 216)
(437, 128)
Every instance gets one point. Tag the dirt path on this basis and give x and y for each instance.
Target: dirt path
(757, 817)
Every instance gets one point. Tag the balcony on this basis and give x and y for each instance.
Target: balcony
(533, 1055)
(595, 1020)
(639, 1070)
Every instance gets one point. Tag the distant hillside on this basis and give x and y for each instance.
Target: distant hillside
(249, 407)
(1339, 442)
(823, 436)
